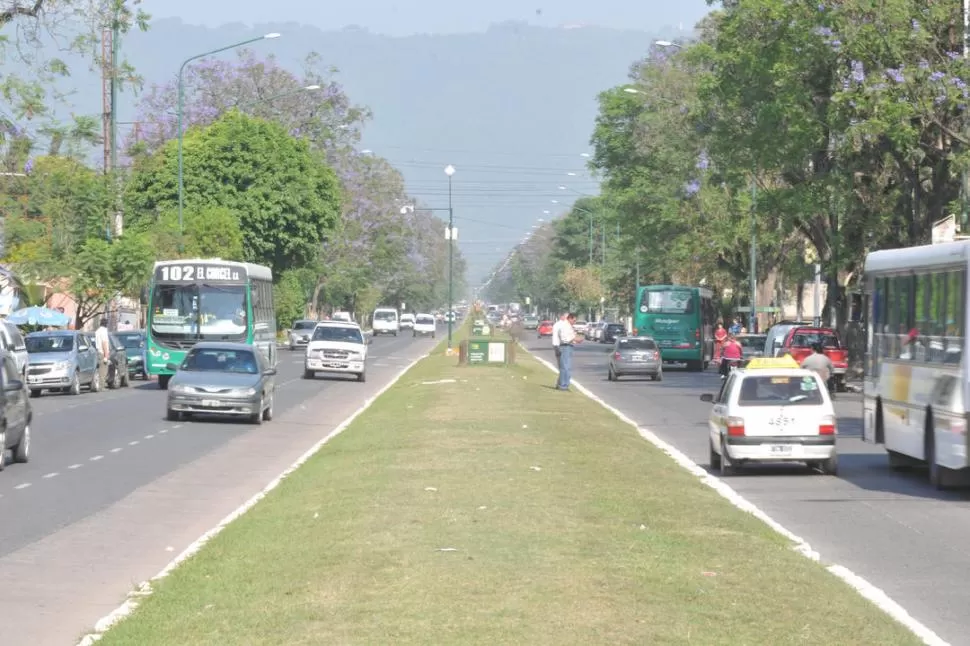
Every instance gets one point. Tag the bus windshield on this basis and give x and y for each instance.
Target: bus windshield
(668, 302)
(199, 311)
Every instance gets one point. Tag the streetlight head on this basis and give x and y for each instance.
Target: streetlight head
(449, 170)
(271, 36)
(310, 88)
(631, 90)
(366, 151)
(666, 43)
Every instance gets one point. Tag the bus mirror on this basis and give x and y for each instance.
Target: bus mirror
(171, 367)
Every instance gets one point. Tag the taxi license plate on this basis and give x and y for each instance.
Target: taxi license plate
(781, 449)
(211, 403)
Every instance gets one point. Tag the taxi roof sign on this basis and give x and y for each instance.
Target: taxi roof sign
(765, 363)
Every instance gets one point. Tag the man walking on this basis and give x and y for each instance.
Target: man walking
(567, 339)
(555, 338)
(822, 366)
(103, 345)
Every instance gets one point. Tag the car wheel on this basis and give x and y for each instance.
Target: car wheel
(292, 348)
(268, 413)
(95, 385)
(117, 381)
(3, 445)
(125, 379)
(309, 374)
(21, 452)
(830, 467)
(173, 415)
(432, 335)
(257, 418)
(713, 459)
(362, 376)
(35, 392)
(75, 388)
(727, 467)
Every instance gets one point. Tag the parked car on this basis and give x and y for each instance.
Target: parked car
(337, 347)
(530, 322)
(611, 332)
(117, 363)
(225, 379)
(61, 360)
(12, 341)
(15, 410)
(134, 342)
(635, 355)
(752, 345)
(424, 325)
(300, 333)
(581, 327)
(544, 329)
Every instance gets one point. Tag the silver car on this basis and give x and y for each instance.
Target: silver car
(63, 360)
(301, 332)
(227, 379)
(636, 355)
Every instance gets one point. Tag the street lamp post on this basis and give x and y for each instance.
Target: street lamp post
(450, 171)
(181, 101)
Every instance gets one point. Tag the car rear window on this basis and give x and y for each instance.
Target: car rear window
(780, 390)
(636, 344)
(807, 339)
(752, 341)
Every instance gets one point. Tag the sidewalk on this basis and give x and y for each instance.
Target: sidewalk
(478, 505)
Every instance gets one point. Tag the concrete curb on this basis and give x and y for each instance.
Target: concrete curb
(865, 589)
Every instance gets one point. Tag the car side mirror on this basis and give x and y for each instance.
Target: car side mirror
(708, 398)
(171, 366)
(269, 372)
(15, 385)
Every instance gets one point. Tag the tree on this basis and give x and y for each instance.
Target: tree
(286, 197)
(288, 299)
(583, 285)
(211, 232)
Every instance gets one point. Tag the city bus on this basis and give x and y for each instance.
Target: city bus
(915, 383)
(681, 319)
(207, 300)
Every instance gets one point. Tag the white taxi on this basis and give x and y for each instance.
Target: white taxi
(772, 411)
(336, 346)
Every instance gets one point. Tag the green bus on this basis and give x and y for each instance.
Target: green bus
(207, 300)
(681, 319)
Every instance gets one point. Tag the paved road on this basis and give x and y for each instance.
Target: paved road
(891, 528)
(113, 491)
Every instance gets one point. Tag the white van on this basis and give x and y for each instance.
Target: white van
(385, 321)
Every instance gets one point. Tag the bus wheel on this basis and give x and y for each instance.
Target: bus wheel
(940, 476)
(163, 381)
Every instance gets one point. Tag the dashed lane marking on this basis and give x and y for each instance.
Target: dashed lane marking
(116, 450)
(133, 443)
(75, 466)
(95, 458)
(22, 485)
(149, 436)
(52, 474)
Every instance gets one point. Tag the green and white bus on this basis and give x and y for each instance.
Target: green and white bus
(681, 319)
(208, 299)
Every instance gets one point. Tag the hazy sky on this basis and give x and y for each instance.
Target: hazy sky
(404, 17)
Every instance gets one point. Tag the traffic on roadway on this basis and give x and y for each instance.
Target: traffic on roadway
(893, 528)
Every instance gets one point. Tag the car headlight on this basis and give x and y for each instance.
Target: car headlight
(243, 392)
(62, 365)
(179, 388)
(356, 356)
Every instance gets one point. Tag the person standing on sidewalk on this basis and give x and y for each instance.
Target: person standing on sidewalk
(555, 337)
(567, 339)
(720, 336)
(103, 345)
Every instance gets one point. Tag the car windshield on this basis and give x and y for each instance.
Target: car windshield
(776, 390)
(636, 344)
(304, 325)
(809, 339)
(384, 316)
(614, 326)
(217, 360)
(54, 343)
(752, 341)
(335, 333)
(132, 341)
(668, 301)
(199, 311)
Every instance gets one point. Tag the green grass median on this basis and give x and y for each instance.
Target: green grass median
(492, 509)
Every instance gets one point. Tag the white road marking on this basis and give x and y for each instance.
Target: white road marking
(115, 450)
(145, 589)
(22, 485)
(164, 430)
(177, 426)
(96, 458)
(75, 466)
(133, 443)
(149, 436)
(878, 597)
(52, 474)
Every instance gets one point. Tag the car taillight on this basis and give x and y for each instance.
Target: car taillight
(617, 356)
(697, 334)
(735, 426)
(827, 426)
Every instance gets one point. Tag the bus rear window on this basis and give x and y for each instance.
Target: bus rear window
(669, 302)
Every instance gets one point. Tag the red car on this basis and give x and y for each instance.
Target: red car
(545, 329)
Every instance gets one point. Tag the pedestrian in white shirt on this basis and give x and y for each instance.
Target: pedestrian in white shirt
(555, 335)
(567, 338)
(103, 346)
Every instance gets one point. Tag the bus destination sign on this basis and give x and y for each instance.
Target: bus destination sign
(189, 273)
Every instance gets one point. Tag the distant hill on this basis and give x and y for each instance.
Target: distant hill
(511, 108)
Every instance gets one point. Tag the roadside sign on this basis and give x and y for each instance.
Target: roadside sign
(480, 352)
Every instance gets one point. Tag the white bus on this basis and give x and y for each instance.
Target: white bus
(916, 381)
(207, 299)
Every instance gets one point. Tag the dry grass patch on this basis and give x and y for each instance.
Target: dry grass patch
(567, 527)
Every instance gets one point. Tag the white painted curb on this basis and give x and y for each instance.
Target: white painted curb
(145, 589)
(863, 587)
